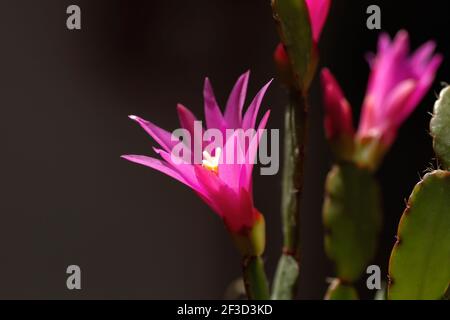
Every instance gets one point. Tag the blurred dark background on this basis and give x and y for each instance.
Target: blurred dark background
(67, 197)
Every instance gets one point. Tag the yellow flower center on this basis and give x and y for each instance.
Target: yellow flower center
(211, 163)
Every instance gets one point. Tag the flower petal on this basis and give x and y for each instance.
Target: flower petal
(252, 112)
(233, 110)
(396, 101)
(161, 136)
(187, 121)
(186, 118)
(235, 208)
(157, 165)
(246, 176)
(213, 115)
(185, 170)
(424, 83)
(232, 160)
(422, 56)
(338, 114)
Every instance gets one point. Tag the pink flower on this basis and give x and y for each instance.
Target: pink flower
(225, 187)
(397, 83)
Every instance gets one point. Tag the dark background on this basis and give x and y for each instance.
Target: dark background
(67, 197)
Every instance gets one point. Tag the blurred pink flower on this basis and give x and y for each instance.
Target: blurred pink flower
(397, 83)
(225, 187)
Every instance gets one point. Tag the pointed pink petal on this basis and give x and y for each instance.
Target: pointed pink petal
(214, 118)
(161, 136)
(187, 121)
(400, 44)
(252, 112)
(185, 170)
(422, 55)
(384, 42)
(246, 177)
(186, 118)
(396, 113)
(388, 127)
(425, 81)
(233, 110)
(157, 165)
(229, 173)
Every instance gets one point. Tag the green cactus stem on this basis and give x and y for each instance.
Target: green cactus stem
(255, 280)
(352, 220)
(286, 276)
(440, 128)
(419, 267)
(294, 27)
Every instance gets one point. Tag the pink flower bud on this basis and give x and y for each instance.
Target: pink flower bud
(318, 12)
(338, 117)
(338, 114)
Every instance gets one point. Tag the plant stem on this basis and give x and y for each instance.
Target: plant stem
(255, 279)
(286, 277)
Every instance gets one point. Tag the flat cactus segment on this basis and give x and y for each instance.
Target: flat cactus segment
(440, 128)
(294, 26)
(352, 219)
(419, 267)
(289, 269)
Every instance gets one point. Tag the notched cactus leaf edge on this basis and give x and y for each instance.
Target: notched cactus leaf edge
(419, 267)
(440, 128)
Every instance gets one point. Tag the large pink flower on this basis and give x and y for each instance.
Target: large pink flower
(225, 187)
(397, 83)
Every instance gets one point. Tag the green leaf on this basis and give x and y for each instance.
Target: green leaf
(294, 27)
(352, 219)
(285, 278)
(419, 267)
(340, 291)
(440, 128)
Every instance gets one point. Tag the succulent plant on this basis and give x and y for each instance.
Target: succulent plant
(419, 267)
(352, 219)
